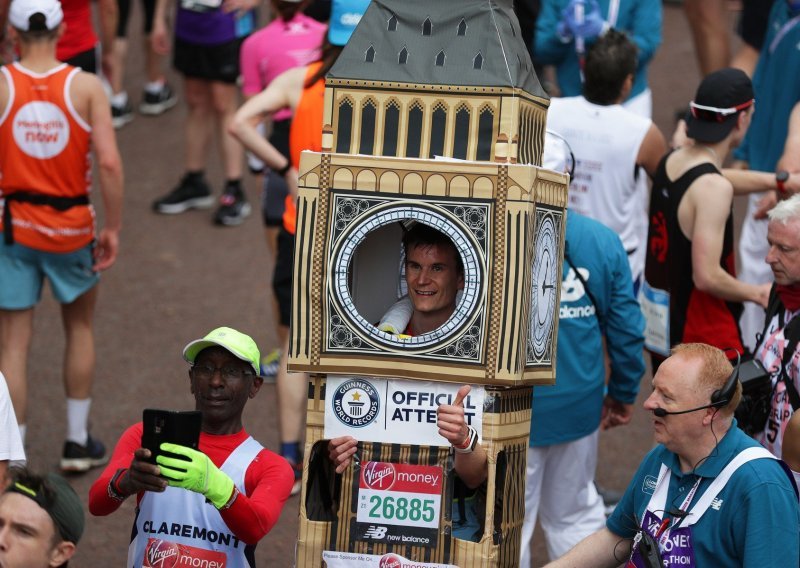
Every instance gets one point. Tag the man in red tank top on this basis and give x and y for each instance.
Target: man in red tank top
(52, 118)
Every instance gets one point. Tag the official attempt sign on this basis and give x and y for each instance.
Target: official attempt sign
(399, 503)
(394, 411)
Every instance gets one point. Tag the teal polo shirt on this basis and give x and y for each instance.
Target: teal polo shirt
(756, 519)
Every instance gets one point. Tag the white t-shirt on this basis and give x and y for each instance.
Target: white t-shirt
(605, 141)
(10, 441)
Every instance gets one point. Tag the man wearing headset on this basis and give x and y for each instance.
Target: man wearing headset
(707, 494)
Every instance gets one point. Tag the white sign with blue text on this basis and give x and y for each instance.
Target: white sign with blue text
(394, 411)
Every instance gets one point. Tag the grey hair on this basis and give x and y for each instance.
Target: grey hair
(786, 210)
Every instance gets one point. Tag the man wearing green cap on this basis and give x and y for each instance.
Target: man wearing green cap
(215, 504)
(41, 521)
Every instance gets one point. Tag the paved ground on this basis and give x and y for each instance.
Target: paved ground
(178, 277)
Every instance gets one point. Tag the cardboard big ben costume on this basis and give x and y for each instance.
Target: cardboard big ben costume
(434, 115)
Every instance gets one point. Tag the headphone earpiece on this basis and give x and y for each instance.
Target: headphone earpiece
(722, 397)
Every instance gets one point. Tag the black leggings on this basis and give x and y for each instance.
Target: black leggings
(124, 13)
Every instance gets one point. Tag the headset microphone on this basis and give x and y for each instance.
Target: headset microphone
(661, 413)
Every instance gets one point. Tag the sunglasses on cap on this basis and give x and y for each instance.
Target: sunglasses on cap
(37, 494)
(714, 114)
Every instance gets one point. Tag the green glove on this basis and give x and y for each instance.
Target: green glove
(199, 474)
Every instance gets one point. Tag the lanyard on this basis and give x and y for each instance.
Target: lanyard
(785, 29)
(659, 500)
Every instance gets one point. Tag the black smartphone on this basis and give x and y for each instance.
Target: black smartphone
(172, 426)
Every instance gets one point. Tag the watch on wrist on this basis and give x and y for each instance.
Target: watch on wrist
(114, 490)
(468, 446)
(781, 177)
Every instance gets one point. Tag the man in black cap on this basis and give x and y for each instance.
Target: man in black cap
(691, 293)
(41, 521)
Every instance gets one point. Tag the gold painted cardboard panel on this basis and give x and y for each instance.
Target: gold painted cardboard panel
(328, 510)
(492, 212)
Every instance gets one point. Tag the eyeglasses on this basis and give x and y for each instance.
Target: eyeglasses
(206, 373)
(714, 114)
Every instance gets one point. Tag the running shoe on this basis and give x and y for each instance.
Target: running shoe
(121, 115)
(298, 477)
(154, 104)
(77, 458)
(269, 365)
(233, 207)
(191, 193)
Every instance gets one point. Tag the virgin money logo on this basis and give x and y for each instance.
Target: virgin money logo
(161, 554)
(390, 561)
(379, 475)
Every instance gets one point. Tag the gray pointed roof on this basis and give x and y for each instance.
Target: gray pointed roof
(439, 48)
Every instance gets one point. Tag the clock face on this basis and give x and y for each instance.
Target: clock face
(354, 221)
(544, 281)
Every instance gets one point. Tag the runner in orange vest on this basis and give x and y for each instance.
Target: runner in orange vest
(53, 117)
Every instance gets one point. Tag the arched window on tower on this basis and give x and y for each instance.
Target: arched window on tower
(485, 134)
(392, 24)
(477, 62)
(402, 59)
(440, 57)
(461, 138)
(427, 27)
(438, 127)
(391, 128)
(369, 56)
(345, 126)
(366, 144)
(414, 139)
(462, 27)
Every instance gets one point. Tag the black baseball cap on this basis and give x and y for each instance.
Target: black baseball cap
(721, 96)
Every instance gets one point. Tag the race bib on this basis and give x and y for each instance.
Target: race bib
(165, 554)
(655, 307)
(333, 559)
(399, 503)
(200, 5)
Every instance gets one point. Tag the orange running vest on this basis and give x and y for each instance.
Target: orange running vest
(305, 134)
(46, 155)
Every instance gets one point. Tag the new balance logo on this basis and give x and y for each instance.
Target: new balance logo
(376, 533)
(716, 504)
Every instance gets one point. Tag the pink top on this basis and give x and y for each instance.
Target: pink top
(276, 48)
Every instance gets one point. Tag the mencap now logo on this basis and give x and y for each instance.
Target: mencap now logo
(649, 484)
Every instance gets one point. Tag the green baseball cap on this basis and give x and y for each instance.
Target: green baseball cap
(228, 338)
(55, 495)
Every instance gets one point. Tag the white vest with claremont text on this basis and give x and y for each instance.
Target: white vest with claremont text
(605, 141)
(179, 528)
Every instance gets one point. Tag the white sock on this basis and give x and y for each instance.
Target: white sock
(119, 99)
(23, 429)
(153, 87)
(78, 420)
